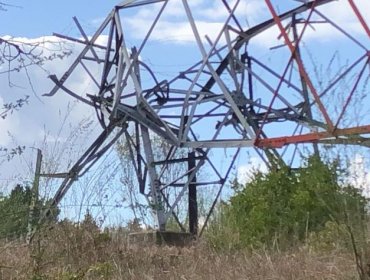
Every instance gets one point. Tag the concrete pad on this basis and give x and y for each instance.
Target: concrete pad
(169, 238)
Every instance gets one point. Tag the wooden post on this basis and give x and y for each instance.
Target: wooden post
(34, 197)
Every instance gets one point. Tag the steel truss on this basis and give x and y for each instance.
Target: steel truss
(229, 99)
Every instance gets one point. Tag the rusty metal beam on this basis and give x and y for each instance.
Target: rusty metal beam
(278, 142)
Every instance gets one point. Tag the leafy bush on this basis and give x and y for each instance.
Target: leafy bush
(282, 208)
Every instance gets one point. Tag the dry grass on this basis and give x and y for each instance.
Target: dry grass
(71, 253)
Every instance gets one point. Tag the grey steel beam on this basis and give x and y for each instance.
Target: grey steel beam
(136, 3)
(215, 75)
(219, 144)
(157, 203)
(258, 29)
(82, 54)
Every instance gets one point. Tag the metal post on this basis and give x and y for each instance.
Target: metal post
(34, 197)
(307, 108)
(193, 204)
(155, 192)
(154, 181)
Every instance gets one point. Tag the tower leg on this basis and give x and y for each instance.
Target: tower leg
(193, 203)
(154, 182)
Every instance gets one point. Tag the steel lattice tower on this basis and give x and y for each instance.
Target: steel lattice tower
(233, 97)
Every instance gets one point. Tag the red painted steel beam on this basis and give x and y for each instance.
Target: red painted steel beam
(279, 142)
(300, 64)
(359, 16)
(283, 75)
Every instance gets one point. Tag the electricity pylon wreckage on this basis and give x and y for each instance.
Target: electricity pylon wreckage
(240, 92)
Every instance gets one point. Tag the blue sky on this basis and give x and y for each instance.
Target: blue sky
(40, 18)
(171, 49)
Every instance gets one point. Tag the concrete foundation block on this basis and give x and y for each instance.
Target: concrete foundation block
(168, 238)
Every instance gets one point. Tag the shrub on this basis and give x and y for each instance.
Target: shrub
(282, 208)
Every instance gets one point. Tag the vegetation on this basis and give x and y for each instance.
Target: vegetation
(14, 212)
(287, 209)
(285, 224)
(72, 251)
(282, 208)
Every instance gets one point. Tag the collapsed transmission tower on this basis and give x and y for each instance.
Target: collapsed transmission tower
(241, 91)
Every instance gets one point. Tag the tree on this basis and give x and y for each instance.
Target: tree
(14, 212)
(282, 207)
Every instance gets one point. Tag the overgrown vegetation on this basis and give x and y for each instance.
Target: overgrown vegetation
(285, 224)
(287, 209)
(283, 208)
(72, 251)
(15, 211)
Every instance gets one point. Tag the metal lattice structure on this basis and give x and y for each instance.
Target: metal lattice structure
(238, 94)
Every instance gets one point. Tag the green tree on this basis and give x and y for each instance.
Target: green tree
(14, 212)
(283, 207)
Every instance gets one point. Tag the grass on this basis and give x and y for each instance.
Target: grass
(68, 252)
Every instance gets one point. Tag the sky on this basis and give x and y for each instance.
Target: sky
(52, 123)
(38, 18)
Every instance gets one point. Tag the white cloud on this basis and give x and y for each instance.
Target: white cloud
(246, 171)
(210, 17)
(174, 26)
(247, 12)
(10, 121)
(175, 8)
(359, 175)
(341, 11)
(179, 32)
(40, 121)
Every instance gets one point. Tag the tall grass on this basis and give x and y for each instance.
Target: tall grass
(83, 252)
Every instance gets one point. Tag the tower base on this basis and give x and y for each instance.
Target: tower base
(162, 238)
